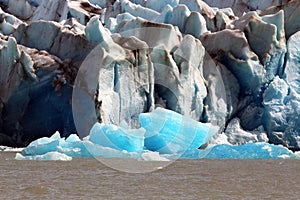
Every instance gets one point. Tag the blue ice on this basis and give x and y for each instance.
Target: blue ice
(163, 134)
(169, 132)
(247, 151)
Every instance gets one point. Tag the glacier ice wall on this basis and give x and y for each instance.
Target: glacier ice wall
(231, 63)
(164, 134)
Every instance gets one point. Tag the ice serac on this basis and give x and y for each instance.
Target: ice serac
(189, 58)
(243, 6)
(9, 23)
(28, 35)
(266, 39)
(199, 6)
(120, 138)
(9, 53)
(282, 100)
(62, 41)
(237, 136)
(154, 34)
(195, 25)
(238, 7)
(238, 57)
(179, 16)
(221, 101)
(134, 96)
(159, 5)
(33, 80)
(120, 75)
(179, 83)
(216, 20)
(60, 10)
(169, 132)
(138, 10)
(291, 11)
(280, 119)
(82, 11)
(52, 10)
(20, 8)
(100, 3)
(292, 71)
(95, 32)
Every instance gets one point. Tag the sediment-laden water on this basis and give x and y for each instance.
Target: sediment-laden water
(87, 178)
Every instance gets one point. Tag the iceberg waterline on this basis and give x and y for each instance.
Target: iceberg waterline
(175, 138)
(204, 59)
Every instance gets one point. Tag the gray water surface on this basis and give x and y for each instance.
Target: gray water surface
(87, 178)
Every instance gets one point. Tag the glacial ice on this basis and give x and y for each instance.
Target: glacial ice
(168, 132)
(121, 138)
(250, 88)
(246, 151)
(53, 156)
(164, 134)
(177, 134)
(138, 10)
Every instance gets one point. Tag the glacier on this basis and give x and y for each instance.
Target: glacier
(163, 135)
(231, 64)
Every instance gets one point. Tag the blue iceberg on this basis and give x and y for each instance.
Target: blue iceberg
(249, 150)
(169, 132)
(163, 134)
(73, 146)
(120, 138)
(162, 131)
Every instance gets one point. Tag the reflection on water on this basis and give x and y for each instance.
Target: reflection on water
(87, 178)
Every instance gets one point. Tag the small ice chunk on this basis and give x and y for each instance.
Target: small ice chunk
(153, 156)
(73, 138)
(46, 156)
(43, 145)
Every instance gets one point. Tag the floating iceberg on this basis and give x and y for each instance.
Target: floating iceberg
(169, 132)
(120, 138)
(74, 147)
(162, 131)
(46, 156)
(163, 134)
(249, 150)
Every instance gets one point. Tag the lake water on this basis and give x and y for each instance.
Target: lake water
(87, 178)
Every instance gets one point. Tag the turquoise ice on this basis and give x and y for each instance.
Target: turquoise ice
(169, 132)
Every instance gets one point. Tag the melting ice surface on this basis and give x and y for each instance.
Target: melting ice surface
(169, 132)
(163, 134)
